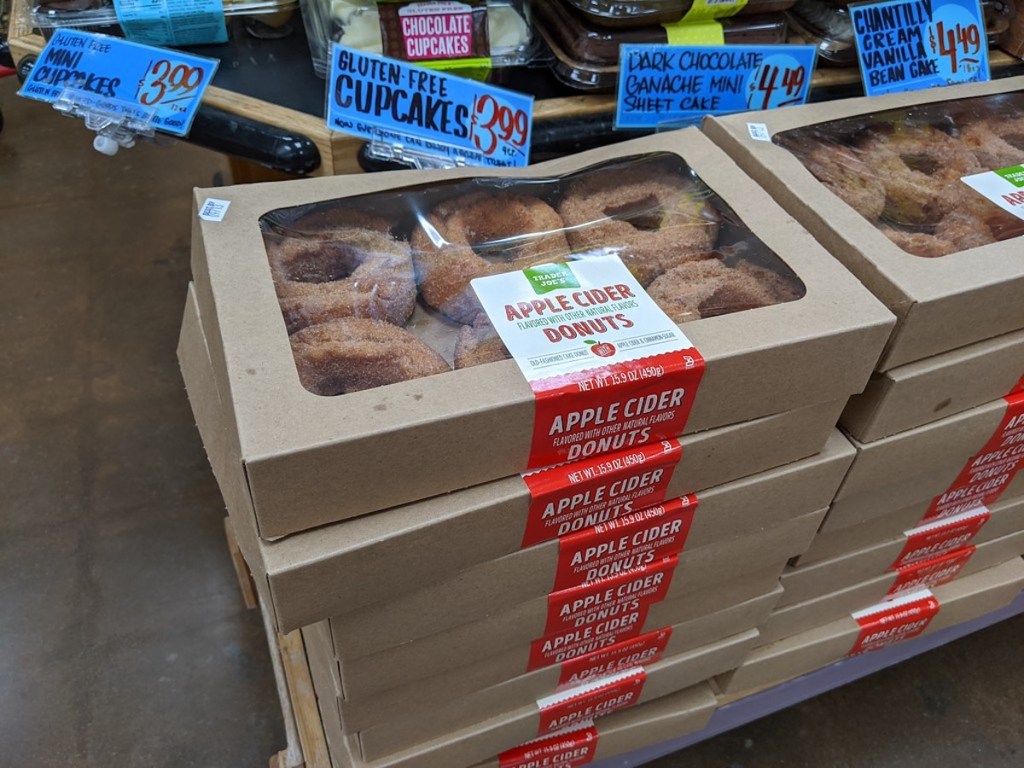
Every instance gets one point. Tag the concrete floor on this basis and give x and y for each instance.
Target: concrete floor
(123, 640)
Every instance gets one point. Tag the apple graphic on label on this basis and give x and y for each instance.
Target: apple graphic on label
(604, 349)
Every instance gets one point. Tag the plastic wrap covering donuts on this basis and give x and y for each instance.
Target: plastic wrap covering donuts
(902, 169)
(375, 289)
(586, 55)
(826, 23)
(635, 13)
(500, 30)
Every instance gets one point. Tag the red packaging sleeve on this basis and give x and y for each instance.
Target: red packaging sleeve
(613, 407)
(624, 544)
(899, 619)
(937, 538)
(930, 573)
(571, 497)
(590, 700)
(566, 749)
(640, 651)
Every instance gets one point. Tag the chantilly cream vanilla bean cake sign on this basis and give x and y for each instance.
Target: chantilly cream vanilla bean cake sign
(610, 370)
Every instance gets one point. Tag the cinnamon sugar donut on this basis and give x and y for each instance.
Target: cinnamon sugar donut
(478, 344)
(844, 172)
(918, 243)
(450, 243)
(342, 271)
(988, 147)
(352, 354)
(652, 218)
(709, 288)
(917, 165)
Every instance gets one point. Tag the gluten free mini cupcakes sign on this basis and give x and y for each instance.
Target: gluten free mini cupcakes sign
(608, 367)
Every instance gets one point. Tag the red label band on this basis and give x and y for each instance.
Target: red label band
(888, 623)
(985, 477)
(930, 573)
(1018, 387)
(614, 407)
(638, 652)
(560, 750)
(590, 701)
(571, 497)
(932, 540)
(581, 606)
(601, 626)
(624, 544)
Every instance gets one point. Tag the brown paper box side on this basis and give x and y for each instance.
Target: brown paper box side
(807, 580)
(931, 389)
(507, 671)
(496, 586)
(941, 304)
(456, 711)
(798, 617)
(477, 421)
(960, 600)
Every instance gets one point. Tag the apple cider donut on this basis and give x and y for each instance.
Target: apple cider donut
(844, 172)
(917, 165)
(449, 245)
(652, 218)
(708, 288)
(352, 354)
(989, 148)
(341, 272)
(479, 343)
(918, 243)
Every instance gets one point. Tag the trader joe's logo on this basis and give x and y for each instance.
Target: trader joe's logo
(550, 277)
(1014, 174)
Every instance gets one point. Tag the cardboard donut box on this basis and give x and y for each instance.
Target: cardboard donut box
(960, 600)
(941, 304)
(297, 461)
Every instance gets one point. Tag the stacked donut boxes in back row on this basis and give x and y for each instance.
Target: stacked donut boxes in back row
(932, 499)
(446, 620)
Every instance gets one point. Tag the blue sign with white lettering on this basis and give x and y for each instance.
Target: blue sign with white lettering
(663, 85)
(427, 110)
(907, 45)
(121, 78)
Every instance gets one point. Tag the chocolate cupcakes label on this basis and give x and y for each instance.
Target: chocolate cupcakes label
(608, 368)
(890, 622)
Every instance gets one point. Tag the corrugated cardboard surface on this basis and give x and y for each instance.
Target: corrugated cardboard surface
(942, 303)
(507, 671)
(307, 461)
(452, 711)
(912, 466)
(503, 584)
(960, 600)
(808, 580)
(670, 717)
(832, 543)
(440, 536)
(931, 389)
(798, 617)
(396, 670)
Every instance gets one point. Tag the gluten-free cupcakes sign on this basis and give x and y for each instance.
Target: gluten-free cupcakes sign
(608, 367)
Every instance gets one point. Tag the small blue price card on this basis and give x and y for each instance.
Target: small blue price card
(172, 22)
(661, 85)
(427, 110)
(907, 45)
(119, 77)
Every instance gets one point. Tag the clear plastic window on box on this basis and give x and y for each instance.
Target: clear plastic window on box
(375, 289)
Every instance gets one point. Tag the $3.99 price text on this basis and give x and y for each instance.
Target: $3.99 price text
(960, 44)
(497, 125)
(168, 83)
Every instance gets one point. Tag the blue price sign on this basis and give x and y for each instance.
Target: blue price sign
(907, 45)
(427, 110)
(123, 78)
(668, 84)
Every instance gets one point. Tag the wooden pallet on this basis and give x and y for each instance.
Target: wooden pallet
(307, 746)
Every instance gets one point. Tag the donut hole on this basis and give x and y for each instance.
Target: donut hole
(922, 163)
(324, 263)
(644, 213)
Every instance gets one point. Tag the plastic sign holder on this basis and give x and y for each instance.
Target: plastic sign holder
(122, 90)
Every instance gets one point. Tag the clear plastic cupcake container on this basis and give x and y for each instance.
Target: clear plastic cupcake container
(637, 13)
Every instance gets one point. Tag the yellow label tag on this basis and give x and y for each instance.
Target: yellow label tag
(699, 33)
(474, 69)
(703, 10)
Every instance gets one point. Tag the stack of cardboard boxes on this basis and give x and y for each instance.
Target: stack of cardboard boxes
(454, 601)
(930, 501)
